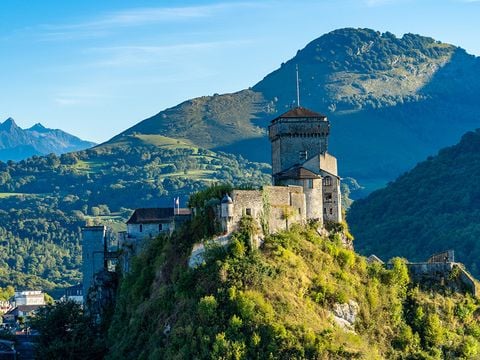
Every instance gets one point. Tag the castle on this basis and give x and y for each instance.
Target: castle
(306, 185)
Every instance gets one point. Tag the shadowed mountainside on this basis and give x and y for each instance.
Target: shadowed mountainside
(433, 207)
(392, 102)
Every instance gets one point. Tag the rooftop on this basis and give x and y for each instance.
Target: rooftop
(300, 112)
(154, 215)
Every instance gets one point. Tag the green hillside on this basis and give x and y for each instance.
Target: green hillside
(278, 303)
(45, 200)
(433, 207)
(392, 102)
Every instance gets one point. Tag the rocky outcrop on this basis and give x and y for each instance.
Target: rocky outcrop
(101, 296)
(345, 315)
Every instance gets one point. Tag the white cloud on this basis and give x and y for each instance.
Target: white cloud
(139, 17)
(374, 3)
(73, 98)
(133, 55)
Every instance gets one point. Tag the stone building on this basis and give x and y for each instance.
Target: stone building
(73, 293)
(29, 297)
(150, 222)
(306, 185)
(300, 157)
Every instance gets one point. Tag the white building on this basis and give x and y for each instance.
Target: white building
(29, 297)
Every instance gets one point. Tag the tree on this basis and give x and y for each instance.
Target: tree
(65, 333)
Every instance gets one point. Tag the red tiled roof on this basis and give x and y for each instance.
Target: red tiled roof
(300, 112)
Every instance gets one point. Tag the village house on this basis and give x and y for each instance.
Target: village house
(29, 297)
(73, 293)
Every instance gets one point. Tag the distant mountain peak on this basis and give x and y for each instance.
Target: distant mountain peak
(17, 143)
(38, 127)
(8, 124)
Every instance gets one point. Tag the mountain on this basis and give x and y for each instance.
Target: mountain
(17, 143)
(433, 207)
(391, 101)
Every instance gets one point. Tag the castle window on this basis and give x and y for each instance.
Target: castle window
(160, 227)
(324, 210)
(248, 212)
(141, 227)
(303, 154)
(299, 210)
(327, 181)
(328, 197)
(331, 211)
(310, 183)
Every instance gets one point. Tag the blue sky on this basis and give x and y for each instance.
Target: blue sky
(95, 68)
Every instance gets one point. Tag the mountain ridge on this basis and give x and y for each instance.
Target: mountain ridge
(386, 98)
(17, 143)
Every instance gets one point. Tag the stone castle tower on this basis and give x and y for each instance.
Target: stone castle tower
(299, 140)
(93, 257)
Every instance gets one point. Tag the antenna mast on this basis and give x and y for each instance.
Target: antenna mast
(298, 88)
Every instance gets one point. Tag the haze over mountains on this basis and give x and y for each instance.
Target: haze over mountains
(17, 143)
(392, 102)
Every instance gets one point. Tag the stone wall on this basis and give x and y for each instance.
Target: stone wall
(448, 274)
(93, 238)
(332, 200)
(274, 207)
(314, 200)
(148, 230)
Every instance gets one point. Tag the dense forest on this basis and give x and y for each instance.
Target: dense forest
(45, 200)
(432, 208)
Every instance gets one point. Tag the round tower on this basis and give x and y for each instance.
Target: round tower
(227, 207)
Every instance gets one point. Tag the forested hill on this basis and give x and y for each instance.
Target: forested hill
(17, 143)
(392, 102)
(300, 296)
(433, 207)
(45, 200)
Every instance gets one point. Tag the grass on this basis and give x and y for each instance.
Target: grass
(165, 142)
(87, 166)
(191, 174)
(7, 195)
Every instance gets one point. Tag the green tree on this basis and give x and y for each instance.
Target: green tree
(65, 333)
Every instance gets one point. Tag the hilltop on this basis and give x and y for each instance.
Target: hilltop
(300, 296)
(433, 207)
(392, 102)
(18, 144)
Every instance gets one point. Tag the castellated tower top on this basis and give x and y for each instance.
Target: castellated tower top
(296, 136)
